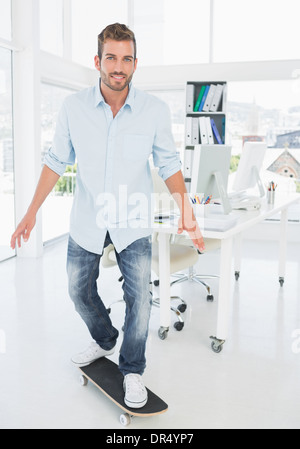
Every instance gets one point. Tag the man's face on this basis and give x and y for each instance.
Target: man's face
(117, 65)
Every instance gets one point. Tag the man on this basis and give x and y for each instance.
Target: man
(112, 129)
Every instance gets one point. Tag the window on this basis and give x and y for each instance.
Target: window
(57, 207)
(175, 99)
(5, 19)
(7, 197)
(51, 26)
(263, 108)
(256, 30)
(172, 31)
(268, 111)
(89, 18)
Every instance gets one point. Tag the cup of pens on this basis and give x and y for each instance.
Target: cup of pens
(271, 188)
(200, 204)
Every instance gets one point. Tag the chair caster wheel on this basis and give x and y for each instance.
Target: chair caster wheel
(210, 298)
(163, 332)
(156, 283)
(182, 308)
(178, 325)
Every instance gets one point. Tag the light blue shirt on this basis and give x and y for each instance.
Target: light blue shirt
(114, 184)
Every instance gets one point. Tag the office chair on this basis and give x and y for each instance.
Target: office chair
(182, 259)
(183, 255)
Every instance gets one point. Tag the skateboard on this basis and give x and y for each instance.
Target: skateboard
(105, 375)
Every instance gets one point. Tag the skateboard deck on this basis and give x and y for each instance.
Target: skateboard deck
(106, 376)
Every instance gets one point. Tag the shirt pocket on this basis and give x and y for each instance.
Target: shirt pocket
(136, 147)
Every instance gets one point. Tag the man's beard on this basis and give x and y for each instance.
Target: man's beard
(106, 81)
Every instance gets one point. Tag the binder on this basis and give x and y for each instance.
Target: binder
(195, 170)
(223, 129)
(195, 131)
(209, 97)
(216, 98)
(209, 131)
(190, 92)
(215, 131)
(188, 130)
(203, 131)
(196, 108)
(203, 98)
(188, 162)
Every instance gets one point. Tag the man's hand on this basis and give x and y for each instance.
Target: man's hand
(23, 230)
(47, 181)
(187, 221)
(190, 225)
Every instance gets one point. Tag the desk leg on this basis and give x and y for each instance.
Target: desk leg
(224, 295)
(237, 255)
(164, 284)
(282, 246)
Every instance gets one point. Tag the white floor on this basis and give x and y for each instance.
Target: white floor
(253, 383)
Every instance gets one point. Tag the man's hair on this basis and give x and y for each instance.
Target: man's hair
(116, 32)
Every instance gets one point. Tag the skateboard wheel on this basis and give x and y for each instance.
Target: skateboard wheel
(125, 419)
(83, 380)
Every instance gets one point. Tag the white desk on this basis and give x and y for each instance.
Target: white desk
(246, 219)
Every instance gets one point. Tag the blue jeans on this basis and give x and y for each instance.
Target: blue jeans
(135, 265)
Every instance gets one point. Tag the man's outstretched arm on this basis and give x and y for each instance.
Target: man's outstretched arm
(187, 221)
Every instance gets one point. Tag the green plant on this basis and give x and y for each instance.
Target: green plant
(234, 162)
(67, 183)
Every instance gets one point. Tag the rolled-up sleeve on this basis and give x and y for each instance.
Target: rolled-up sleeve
(165, 156)
(62, 152)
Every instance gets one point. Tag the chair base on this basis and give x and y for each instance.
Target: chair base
(181, 277)
(178, 325)
(192, 276)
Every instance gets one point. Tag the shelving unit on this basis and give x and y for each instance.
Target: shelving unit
(197, 130)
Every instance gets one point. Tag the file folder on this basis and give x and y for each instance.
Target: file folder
(217, 98)
(190, 92)
(203, 131)
(203, 98)
(223, 129)
(196, 108)
(209, 131)
(188, 130)
(209, 98)
(195, 131)
(215, 131)
(188, 162)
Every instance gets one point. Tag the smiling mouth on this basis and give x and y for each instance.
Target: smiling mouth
(118, 77)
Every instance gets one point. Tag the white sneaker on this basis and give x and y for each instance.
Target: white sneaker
(136, 395)
(92, 353)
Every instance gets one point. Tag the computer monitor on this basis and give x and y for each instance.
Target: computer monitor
(210, 172)
(250, 164)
